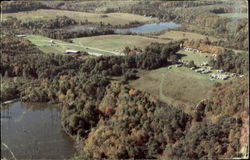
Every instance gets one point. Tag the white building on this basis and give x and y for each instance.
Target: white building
(21, 35)
(220, 76)
(72, 51)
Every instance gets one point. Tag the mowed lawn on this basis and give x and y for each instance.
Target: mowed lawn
(180, 87)
(177, 35)
(117, 42)
(59, 47)
(112, 18)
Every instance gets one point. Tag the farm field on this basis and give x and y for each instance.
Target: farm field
(177, 35)
(59, 47)
(117, 42)
(112, 18)
(234, 15)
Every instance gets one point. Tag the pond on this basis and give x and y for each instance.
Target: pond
(33, 131)
(150, 28)
(146, 28)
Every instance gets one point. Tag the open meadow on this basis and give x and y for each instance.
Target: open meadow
(198, 58)
(105, 44)
(179, 86)
(59, 47)
(234, 15)
(178, 35)
(110, 18)
(117, 42)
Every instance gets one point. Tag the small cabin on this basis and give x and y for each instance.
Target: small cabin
(72, 51)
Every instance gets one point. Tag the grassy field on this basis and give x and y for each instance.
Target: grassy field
(179, 86)
(177, 35)
(59, 47)
(113, 18)
(198, 58)
(106, 44)
(234, 15)
(117, 42)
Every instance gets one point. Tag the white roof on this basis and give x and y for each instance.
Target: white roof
(72, 51)
(21, 35)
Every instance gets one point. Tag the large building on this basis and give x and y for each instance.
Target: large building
(72, 51)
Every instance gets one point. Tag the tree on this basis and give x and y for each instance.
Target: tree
(126, 50)
(191, 64)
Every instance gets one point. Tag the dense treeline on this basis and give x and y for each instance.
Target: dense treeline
(231, 62)
(8, 7)
(132, 126)
(206, 22)
(222, 128)
(204, 45)
(208, 140)
(229, 100)
(64, 34)
(54, 28)
(58, 22)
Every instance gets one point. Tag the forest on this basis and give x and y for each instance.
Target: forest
(231, 62)
(120, 121)
(99, 108)
(38, 65)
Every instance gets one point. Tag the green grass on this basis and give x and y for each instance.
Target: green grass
(117, 42)
(234, 15)
(198, 58)
(177, 35)
(113, 18)
(177, 86)
(59, 47)
(107, 45)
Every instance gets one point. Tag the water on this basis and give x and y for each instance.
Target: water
(150, 28)
(146, 28)
(81, 27)
(33, 131)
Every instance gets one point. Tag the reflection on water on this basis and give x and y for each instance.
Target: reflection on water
(146, 28)
(33, 131)
(149, 28)
(81, 27)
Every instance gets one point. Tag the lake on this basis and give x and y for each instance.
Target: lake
(150, 28)
(33, 131)
(146, 28)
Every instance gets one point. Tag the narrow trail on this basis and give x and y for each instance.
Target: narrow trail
(161, 95)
